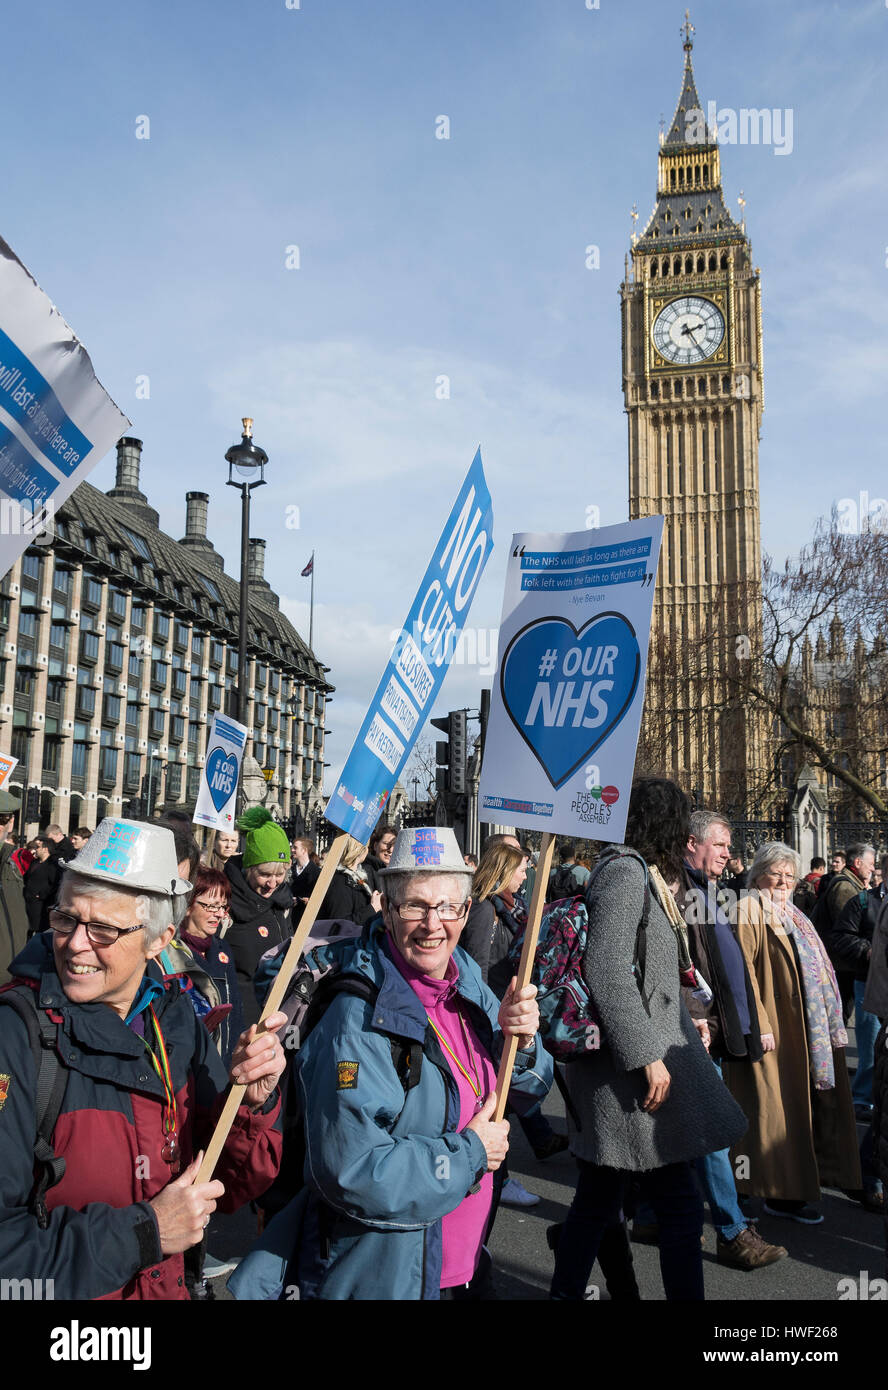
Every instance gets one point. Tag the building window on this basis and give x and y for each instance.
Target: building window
(89, 647)
(92, 593)
(159, 673)
(108, 765)
(193, 735)
(132, 715)
(31, 566)
(137, 617)
(61, 579)
(177, 729)
(113, 656)
(180, 682)
(111, 709)
(161, 627)
(55, 691)
(117, 602)
(27, 624)
(261, 675)
(182, 635)
(156, 723)
(193, 783)
(138, 543)
(233, 661)
(134, 667)
(51, 748)
(275, 685)
(214, 699)
(78, 759)
(216, 652)
(174, 782)
(86, 700)
(24, 682)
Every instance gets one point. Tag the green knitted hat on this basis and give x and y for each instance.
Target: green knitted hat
(266, 841)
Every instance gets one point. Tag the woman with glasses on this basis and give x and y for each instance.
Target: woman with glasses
(134, 1083)
(396, 1083)
(802, 1133)
(215, 990)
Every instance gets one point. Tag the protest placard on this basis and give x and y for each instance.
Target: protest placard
(566, 704)
(403, 699)
(216, 799)
(567, 697)
(7, 763)
(56, 419)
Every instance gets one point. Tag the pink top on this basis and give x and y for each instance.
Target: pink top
(462, 1230)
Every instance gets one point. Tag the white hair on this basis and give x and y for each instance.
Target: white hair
(771, 853)
(396, 886)
(154, 911)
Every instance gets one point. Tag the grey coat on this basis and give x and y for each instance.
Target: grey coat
(699, 1115)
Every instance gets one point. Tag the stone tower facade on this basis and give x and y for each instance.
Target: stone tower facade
(692, 382)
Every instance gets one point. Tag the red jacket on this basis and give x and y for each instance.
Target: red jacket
(102, 1239)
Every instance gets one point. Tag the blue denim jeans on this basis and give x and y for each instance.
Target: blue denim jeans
(866, 1028)
(672, 1192)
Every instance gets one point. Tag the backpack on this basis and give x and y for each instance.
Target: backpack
(52, 1081)
(562, 884)
(317, 980)
(805, 898)
(569, 1025)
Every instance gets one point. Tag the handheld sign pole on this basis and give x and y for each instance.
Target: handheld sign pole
(273, 1002)
(559, 750)
(404, 698)
(525, 965)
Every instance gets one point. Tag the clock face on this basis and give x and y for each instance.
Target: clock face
(688, 330)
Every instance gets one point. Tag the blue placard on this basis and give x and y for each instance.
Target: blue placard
(418, 663)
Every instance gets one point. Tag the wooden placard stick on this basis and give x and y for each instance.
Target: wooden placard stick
(525, 967)
(273, 1002)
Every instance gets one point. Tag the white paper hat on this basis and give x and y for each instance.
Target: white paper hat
(426, 849)
(131, 854)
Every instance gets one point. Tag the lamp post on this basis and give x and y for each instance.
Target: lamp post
(244, 461)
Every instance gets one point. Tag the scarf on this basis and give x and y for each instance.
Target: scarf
(823, 1006)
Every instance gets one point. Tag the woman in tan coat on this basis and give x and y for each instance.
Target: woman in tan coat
(802, 1131)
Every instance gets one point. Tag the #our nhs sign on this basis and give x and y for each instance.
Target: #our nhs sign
(418, 663)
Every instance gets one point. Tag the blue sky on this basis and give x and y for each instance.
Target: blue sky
(422, 257)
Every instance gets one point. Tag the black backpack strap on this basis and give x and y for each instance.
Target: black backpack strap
(406, 1052)
(52, 1080)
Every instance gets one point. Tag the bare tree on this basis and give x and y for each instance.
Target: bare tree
(810, 686)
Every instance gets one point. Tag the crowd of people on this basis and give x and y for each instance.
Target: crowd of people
(721, 994)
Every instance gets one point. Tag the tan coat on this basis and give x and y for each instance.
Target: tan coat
(798, 1138)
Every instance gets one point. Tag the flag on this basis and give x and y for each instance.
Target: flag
(308, 568)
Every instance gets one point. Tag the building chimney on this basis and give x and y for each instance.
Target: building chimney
(196, 504)
(126, 488)
(129, 460)
(256, 570)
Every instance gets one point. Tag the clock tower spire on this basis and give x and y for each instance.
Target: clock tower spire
(692, 362)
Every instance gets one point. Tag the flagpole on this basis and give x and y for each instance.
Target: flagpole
(311, 613)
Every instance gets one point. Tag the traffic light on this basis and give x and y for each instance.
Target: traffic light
(451, 756)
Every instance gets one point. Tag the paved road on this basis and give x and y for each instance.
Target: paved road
(848, 1242)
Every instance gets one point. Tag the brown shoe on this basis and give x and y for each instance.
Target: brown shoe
(747, 1251)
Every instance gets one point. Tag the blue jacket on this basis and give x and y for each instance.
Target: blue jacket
(382, 1165)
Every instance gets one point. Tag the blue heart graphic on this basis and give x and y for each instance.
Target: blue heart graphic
(221, 776)
(567, 690)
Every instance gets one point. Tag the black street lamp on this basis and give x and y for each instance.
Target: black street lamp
(244, 461)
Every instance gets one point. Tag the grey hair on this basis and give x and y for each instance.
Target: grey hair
(858, 850)
(269, 864)
(395, 886)
(769, 854)
(701, 822)
(153, 910)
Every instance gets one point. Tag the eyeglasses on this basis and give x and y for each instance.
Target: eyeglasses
(99, 933)
(211, 907)
(417, 912)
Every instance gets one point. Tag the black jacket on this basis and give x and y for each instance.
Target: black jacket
(724, 1022)
(849, 938)
(41, 885)
(347, 899)
(487, 937)
(257, 924)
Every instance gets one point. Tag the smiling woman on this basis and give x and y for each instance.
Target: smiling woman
(261, 899)
(138, 1074)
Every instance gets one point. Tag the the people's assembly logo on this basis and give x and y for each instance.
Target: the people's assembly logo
(346, 1076)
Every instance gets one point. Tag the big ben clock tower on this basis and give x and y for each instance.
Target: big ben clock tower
(692, 381)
